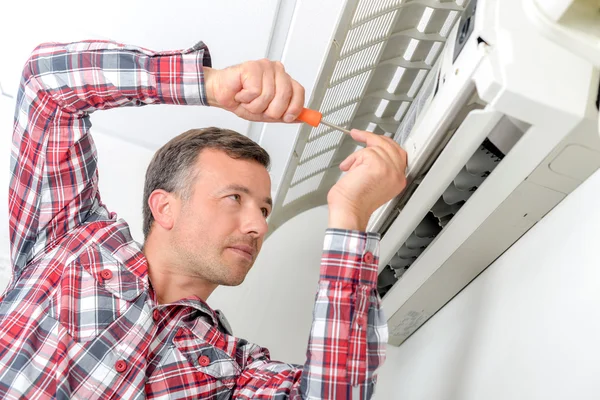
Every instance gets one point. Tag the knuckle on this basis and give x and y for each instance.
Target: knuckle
(255, 64)
(286, 91)
(269, 64)
(294, 109)
(266, 94)
(253, 108)
(297, 86)
(273, 113)
(254, 89)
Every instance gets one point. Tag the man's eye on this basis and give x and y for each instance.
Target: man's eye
(265, 212)
(235, 197)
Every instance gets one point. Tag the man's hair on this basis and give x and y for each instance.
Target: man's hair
(172, 167)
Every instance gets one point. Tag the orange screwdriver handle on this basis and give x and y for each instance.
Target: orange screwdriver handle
(311, 117)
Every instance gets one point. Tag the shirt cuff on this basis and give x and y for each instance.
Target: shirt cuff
(350, 256)
(179, 75)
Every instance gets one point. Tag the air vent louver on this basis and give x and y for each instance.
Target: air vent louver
(471, 177)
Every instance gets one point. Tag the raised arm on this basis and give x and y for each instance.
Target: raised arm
(349, 331)
(54, 182)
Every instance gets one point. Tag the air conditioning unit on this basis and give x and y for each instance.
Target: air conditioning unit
(500, 123)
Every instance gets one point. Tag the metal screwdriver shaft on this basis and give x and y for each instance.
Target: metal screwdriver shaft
(314, 118)
(339, 128)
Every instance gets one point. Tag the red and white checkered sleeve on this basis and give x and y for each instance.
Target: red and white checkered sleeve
(348, 335)
(54, 181)
(349, 331)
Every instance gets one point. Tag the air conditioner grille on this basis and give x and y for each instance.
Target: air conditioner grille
(304, 188)
(368, 9)
(380, 61)
(371, 32)
(317, 164)
(356, 63)
(321, 145)
(471, 177)
(346, 92)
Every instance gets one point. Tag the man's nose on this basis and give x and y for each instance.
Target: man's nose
(254, 223)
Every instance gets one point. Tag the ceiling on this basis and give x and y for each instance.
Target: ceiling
(235, 31)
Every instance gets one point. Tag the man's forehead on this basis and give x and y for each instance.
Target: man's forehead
(226, 173)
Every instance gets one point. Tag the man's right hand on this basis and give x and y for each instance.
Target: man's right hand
(256, 91)
(374, 175)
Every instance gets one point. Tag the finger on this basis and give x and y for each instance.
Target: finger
(374, 140)
(394, 144)
(382, 156)
(396, 159)
(371, 155)
(283, 93)
(399, 153)
(260, 104)
(251, 78)
(296, 103)
(369, 138)
(349, 161)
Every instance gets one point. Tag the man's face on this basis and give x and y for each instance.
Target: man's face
(219, 230)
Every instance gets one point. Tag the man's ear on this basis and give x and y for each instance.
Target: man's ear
(164, 208)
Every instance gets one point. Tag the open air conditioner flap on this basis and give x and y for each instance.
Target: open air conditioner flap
(559, 149)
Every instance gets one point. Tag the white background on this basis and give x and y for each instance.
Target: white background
(527, 328)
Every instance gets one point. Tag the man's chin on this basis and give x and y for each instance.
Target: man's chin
(235, 270)
(232, 281)
(236, 276)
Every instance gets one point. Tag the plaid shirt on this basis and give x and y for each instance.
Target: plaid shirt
(79, 318)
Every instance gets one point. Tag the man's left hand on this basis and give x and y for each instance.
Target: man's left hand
(256, 91)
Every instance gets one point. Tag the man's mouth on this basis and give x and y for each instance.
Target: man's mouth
(243, 250)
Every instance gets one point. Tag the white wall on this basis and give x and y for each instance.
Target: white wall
(6, 121)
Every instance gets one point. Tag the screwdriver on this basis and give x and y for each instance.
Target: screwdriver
(314, 118)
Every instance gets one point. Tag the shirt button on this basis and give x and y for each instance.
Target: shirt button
(368, 257)
(106, 274)
(156, 315)
(121, 366)
(203, 361)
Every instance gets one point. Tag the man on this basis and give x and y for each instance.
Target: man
(91, 314)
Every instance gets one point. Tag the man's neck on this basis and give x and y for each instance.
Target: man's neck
(172, 282)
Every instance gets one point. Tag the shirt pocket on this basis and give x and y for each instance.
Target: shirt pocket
(207, 359)
(95, 290)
